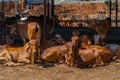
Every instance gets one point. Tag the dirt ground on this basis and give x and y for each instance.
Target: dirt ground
(60, 72)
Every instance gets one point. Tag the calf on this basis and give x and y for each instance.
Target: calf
(56, 41)
(58, 53)
(85, 44)
(17, 55)
(102, 27)
(92, 54)
(34, 31)
(90, 57)
(54, 54)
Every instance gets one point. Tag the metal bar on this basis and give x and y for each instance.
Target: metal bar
(48, 11)
(110, 11)
(52, 8)
(44, 18)
(116, 13)
(2, 9)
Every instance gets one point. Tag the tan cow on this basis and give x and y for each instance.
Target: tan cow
(86, 44)
(56, 41)
(54, 54)
(60, 53)
(18, 55)
(22, 27)
(34, 31)
(90, 57)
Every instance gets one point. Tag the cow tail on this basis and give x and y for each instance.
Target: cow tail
(37, 28)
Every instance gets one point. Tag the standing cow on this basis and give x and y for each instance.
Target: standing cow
(102, 28)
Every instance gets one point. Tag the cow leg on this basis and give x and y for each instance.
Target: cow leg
(100, 62)
(67, 60)
(5, 55)
(23, 60)
(39, 53)
(32, 58)
(12, 64)
(60, 58)
(103, 41)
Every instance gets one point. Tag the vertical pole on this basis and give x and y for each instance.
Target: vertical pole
(110, 8)
(116, 12)
(44, 18)
(52, 8)
(48, 8)
(2, 9)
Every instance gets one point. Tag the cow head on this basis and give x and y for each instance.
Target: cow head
(72, 51)
(85, 39)
(58, 39)
(92, 23)
(33, 49)
(75, 40)
(76, 33)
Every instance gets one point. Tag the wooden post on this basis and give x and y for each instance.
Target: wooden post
(116, 13)
(52, 8)
(44, 18)
(110, 8)
(2, 4)
(48, 11)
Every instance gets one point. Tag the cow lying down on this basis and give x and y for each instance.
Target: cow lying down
(14, 56)
(89, 57)
(59, 53)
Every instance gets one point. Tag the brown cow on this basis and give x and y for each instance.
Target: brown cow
(54, 54)
(86, 44)
(102, 28)
(92, 54)
(22, 27)
(56, 41)
(40, 21)
(34, 31)
(90, 57)
(18, 55)
(58, 53)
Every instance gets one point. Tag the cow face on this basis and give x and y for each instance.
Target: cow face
(71, 53)
(58, 39)
(85, 39)
(75, 40)
(76, 33)
(32, 48)
(92, 23)
(13, 30)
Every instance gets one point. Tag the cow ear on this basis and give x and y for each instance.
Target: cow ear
(27, 47)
